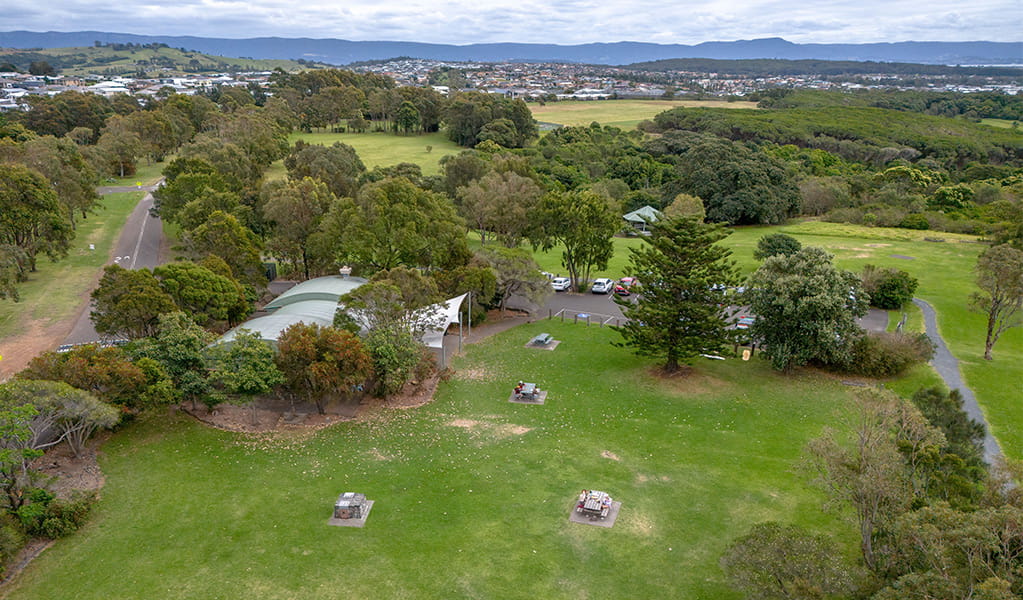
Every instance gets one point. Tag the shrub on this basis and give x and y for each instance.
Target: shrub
(45, 515)
(775, 244)
(887, 354)
(888, 288)
(915, 221)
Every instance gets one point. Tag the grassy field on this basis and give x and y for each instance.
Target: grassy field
(55, 291)
(945, 272)
(620, 113)
(380, 149)
(92, 59)
(1003, 123)
(472, 493)
(146, 173)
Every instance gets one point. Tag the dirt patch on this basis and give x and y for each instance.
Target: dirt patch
(37, 338)
(476, 374)
(72, 473)
(689, 380)
(497, 430)
(611, 455)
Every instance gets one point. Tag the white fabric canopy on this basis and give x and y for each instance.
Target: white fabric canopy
(443, 314)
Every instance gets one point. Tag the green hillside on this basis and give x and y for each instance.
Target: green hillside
(130, 59)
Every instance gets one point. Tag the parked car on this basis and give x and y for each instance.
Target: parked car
(602, 286)
(745, 322)
(627, 286)
(560, 284)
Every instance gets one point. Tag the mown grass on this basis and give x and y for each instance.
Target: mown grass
(472, 493)
(379, 149)
(56, 290)
(945, 272)
(1002, 123)
(625, 114)
(146, 173)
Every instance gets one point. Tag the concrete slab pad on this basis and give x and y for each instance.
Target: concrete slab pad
(551, 346)
(540, 398)
(607, 521)
(354, 522)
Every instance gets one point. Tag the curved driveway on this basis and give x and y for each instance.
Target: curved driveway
(948, 367)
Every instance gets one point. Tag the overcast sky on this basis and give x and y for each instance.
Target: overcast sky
(535, 21)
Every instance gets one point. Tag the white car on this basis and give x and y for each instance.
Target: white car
(561, 284)
(603, 286)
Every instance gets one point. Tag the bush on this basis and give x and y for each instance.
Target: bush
(915, 221)
(44, 515)
(887, 354)
(888, 288)
(775, 244)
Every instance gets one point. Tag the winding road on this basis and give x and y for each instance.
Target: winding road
(948, 368)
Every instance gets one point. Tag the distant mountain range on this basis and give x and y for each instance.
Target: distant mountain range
(342, 52)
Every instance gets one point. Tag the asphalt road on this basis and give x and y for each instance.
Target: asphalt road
(137, 247)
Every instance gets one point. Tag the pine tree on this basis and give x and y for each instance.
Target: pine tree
(679, 313)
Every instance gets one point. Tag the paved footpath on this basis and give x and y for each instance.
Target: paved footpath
(948, 368)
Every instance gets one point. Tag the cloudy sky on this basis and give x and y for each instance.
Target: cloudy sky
(536, 21)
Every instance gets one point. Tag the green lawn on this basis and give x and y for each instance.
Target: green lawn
(945, 272)
(146, 173)
(55, 291)
(1003, 123)
(472, 493)
(625, 114)
(380, 149)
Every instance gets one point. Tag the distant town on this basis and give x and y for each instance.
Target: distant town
(543, 82)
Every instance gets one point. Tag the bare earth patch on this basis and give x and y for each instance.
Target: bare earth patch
(688, 380)
(611, 455)
(36, 339)
(497, 430)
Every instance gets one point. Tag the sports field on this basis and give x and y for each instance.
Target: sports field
(620, 113)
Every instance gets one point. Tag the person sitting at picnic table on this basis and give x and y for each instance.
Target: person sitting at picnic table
(582, 498)
(518, 389)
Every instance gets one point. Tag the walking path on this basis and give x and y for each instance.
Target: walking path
(948, 368)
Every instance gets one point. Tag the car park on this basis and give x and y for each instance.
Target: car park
(561, 284)
(602, 286)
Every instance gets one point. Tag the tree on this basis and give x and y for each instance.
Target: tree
(407, 118)
(396, 309)
(179, 346)
(888, 288)
(106, 372)
(517, 275)
(223, 236)
(678, 315)
(500, 204)
(685, 205)
(16, 450)
(868, 472)
(806, 309)
(129, 303)
(121, 149)
(68, 413)
(295, 209)
(322, 361)
(14, 267)
(393, 223)
(583, 223)
(1000, 279)
(60, 162)
(338, 166)
(247, 368)
(775, 244)
(204, 295)
(785, 562)
(31, 216)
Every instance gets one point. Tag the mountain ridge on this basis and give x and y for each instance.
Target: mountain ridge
(343, 52)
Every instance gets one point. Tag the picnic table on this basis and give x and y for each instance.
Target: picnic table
(542, 340)
(528, 391)
(594, 503)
